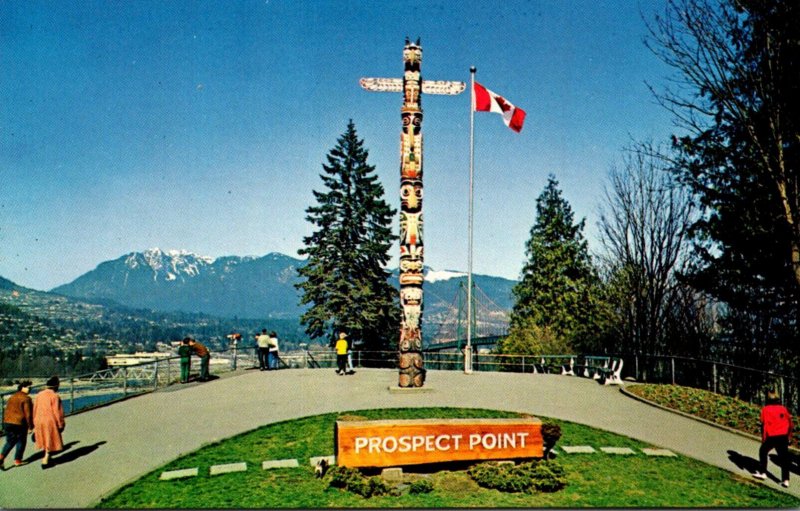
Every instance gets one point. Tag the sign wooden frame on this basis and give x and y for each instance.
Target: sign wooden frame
(396, 443)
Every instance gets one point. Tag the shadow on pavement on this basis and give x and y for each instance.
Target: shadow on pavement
(744, 462)
(74, 454)
(40, 454)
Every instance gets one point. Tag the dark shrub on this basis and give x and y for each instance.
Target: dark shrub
(421, 486)
(342, 476)
(548, 477)
(526, 477)
(378, 486)
(353, 481)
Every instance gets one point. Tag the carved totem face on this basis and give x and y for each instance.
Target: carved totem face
(411, 258)
(412, 89)
(410, 228)
(412, 121)
(411, 196)
(412, 56)
(410, 339)
(411, 300)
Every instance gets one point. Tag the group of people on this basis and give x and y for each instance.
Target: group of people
(187, 348)
(43, 419)
(267, 346)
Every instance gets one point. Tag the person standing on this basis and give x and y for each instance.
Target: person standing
(262, 343)
(273, 350)
(341, 353)
(776, 431)
(185, 352)
(48, 420)
(17, 423)
(205, 357)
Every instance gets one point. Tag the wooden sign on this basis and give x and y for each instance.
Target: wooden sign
(395, 443)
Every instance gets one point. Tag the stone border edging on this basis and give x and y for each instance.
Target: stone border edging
(696, 418)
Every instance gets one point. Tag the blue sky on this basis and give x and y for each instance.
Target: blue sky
(203, 125)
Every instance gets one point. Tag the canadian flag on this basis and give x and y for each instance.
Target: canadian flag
(485, 100)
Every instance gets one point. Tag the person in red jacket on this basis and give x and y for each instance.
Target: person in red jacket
(776, 431)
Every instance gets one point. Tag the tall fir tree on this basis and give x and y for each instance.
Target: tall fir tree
(345, 278)
(554, 298)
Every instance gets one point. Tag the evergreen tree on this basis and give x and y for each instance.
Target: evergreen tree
(556, 289)
(345, 278)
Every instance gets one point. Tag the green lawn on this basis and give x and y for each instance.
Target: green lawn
(594, 480)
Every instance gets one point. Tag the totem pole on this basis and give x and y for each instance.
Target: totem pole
(410, 361)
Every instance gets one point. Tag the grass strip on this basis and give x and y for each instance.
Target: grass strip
(597, 480)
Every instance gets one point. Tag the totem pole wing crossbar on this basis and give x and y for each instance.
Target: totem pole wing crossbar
(443, 87)
(382, 84)
(428, 86)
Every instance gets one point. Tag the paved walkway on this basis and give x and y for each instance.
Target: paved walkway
(114, 445)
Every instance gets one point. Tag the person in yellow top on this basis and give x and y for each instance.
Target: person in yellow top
(341, 354)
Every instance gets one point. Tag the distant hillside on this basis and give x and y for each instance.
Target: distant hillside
(29, 318)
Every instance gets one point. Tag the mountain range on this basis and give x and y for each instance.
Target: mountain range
(245, 287)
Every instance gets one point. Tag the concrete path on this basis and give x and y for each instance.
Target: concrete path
(114, 445)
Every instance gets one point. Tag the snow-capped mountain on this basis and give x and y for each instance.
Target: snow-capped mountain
(178, 280)
(243, 287)
(169, 265)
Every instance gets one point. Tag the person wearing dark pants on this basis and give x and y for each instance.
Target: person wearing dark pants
(185, 352)
(262, 342)
(205, 356)
(341, 354)
(17, 423)
(776, 431)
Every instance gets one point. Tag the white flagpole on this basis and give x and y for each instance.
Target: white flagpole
(468, 348)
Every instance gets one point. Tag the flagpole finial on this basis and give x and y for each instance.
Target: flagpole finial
(472, 69)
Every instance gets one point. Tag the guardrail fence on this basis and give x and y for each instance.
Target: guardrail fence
(113, 384)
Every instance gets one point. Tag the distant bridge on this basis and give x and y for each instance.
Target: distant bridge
(489, 322)
(489, 340)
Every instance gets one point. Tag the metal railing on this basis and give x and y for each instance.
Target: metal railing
(724, 378)
(86, 391)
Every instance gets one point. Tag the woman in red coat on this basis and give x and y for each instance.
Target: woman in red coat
(48, 420)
